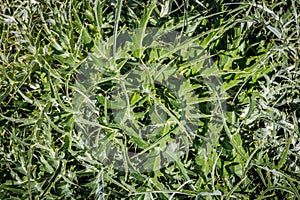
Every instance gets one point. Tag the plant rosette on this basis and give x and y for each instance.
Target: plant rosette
(137, 99)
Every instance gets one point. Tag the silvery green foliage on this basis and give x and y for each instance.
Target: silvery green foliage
(149, 113)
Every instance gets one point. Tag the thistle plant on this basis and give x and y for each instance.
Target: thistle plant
(162, 99)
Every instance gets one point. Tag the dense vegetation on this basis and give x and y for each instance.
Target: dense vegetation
(240, 94)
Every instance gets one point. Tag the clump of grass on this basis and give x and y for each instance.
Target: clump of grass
(254, 47)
